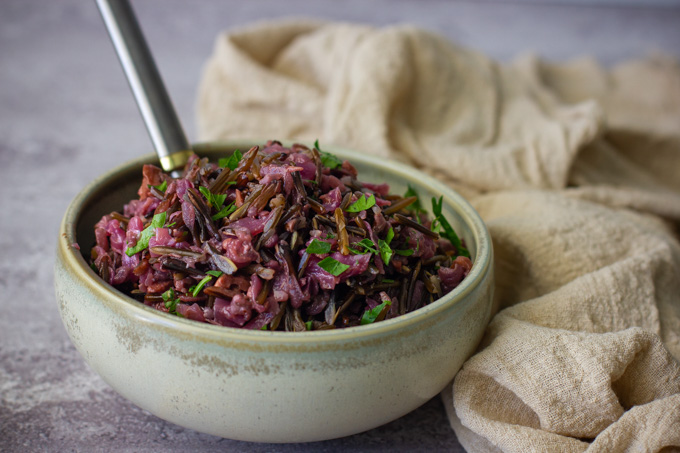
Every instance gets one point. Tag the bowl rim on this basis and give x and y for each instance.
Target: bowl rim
(74, 260)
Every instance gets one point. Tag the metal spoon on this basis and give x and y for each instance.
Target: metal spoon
(147, 86)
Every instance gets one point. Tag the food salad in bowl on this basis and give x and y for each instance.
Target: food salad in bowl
(277, 238)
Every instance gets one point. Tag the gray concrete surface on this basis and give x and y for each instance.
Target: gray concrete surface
(66, 116)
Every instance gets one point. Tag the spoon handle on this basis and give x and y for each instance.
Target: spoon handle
(147, 86)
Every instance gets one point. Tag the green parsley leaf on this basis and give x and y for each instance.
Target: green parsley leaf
(206, 193)
(147, 233)
(330, 236)
(385, 251)
(371, 315)
(327, 159)
(407, 252)
(162, 186)
(232, 161)
(170, 300)
(366, 246)
(384, 247)
(216, 274)
(390, 235)
(333, 266)
(448, 232)
(308, 325)
(361, 204)
(215, 200)
(200, 285)
(225, 211)
(319, 247)
(386, 280)
(264, 327)
(171, 305)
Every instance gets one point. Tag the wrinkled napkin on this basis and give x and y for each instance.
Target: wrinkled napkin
(576, 171)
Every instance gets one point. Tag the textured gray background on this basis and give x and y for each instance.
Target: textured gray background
(66, 116)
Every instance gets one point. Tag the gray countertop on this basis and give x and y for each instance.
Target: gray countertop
(66, 116)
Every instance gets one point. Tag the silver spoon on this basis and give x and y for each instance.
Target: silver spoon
(147, 86)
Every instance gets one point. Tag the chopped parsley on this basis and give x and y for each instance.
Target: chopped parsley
(384, 247)
(371, 315)
(448, 232)
(225, 211)
(361, 204)
(386, 252)
(194, 290)
(333, 266)
(308, 325)
(366, 246)
(197, 289)
(162, 186)
(327, 159)
(147, 233)
(232, 161)
(319, 247)
(170, 300)
(215, 200)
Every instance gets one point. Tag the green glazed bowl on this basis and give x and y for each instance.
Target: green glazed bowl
(266, 386)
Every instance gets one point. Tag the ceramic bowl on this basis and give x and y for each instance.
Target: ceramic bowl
(266, 386)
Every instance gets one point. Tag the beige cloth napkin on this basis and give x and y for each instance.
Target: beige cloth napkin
(576, 170)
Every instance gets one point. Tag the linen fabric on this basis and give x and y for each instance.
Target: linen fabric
(574, 167)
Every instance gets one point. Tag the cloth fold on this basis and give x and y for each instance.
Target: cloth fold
(574, 167)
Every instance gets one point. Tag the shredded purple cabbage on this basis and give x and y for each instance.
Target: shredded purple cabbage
(278, 239)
